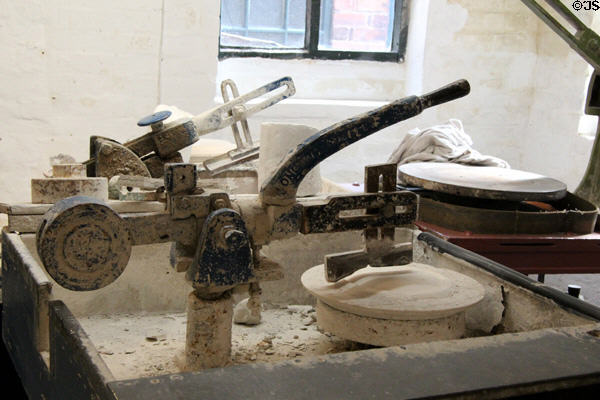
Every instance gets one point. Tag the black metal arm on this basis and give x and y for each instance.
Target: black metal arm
(281, 187)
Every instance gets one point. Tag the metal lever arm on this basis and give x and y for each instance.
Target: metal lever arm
(168, 139)
(585, 41)
(223, 116)
(281, 187)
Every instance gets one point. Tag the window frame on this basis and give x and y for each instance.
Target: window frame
(311, 41)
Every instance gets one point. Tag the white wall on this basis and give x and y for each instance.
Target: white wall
(73, 69)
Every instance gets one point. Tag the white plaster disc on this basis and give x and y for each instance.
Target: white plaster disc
(409, 292)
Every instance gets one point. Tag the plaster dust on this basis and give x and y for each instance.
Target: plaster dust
(151, 344)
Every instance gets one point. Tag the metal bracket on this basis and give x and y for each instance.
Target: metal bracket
(223, 257)
(245, 149)
(380, 249)
(112, 158)
(348, 212)
(136, 188)
(584, 40)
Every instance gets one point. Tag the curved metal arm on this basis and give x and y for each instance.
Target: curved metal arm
(223, 116)
(281, 187)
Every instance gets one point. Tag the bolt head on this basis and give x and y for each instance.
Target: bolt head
(389, 210)
(234, 238)
(220, 203)
(106, 150)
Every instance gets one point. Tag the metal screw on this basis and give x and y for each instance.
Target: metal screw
(220, 203)
(157, 126)
(106, 150)
(233, 238)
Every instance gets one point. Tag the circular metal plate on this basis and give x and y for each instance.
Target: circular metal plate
(83, 243)
(482, 182)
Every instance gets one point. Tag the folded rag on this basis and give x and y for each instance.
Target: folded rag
(442, 143)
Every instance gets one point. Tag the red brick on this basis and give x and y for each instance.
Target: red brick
(369, 34)
(379, 21)
(349, 19)
(373, 5)
(341, 33)
(343, 5)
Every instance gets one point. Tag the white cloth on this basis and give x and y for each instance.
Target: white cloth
(442, 143)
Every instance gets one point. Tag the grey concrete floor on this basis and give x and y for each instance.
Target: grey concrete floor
(590, 284)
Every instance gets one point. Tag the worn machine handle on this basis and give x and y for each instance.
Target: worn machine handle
(452, 91)
(281, 187)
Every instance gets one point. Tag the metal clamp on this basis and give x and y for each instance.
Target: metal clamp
(399, 208)
(245, 149)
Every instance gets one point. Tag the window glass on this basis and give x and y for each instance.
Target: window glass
(263, 23)
(339, 29)
(356, 25)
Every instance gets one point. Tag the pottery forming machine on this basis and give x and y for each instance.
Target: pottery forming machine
(429, 318)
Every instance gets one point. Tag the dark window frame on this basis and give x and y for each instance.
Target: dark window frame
(311, 41)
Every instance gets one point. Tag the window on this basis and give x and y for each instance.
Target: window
(327, 29)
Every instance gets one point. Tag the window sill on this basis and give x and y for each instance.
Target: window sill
(318, 55)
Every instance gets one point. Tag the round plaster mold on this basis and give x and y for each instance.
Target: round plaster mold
(388, 306)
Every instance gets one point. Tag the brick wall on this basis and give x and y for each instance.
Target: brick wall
(360, 25)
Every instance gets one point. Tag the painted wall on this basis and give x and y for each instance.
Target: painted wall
(74, 69)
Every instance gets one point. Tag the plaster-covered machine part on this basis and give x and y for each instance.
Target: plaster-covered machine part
(208, 334)
(390, 306)
(68, 170)
(51, 190)
(205, 149)
(172, 130)
(276, 140)
(218, 237)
